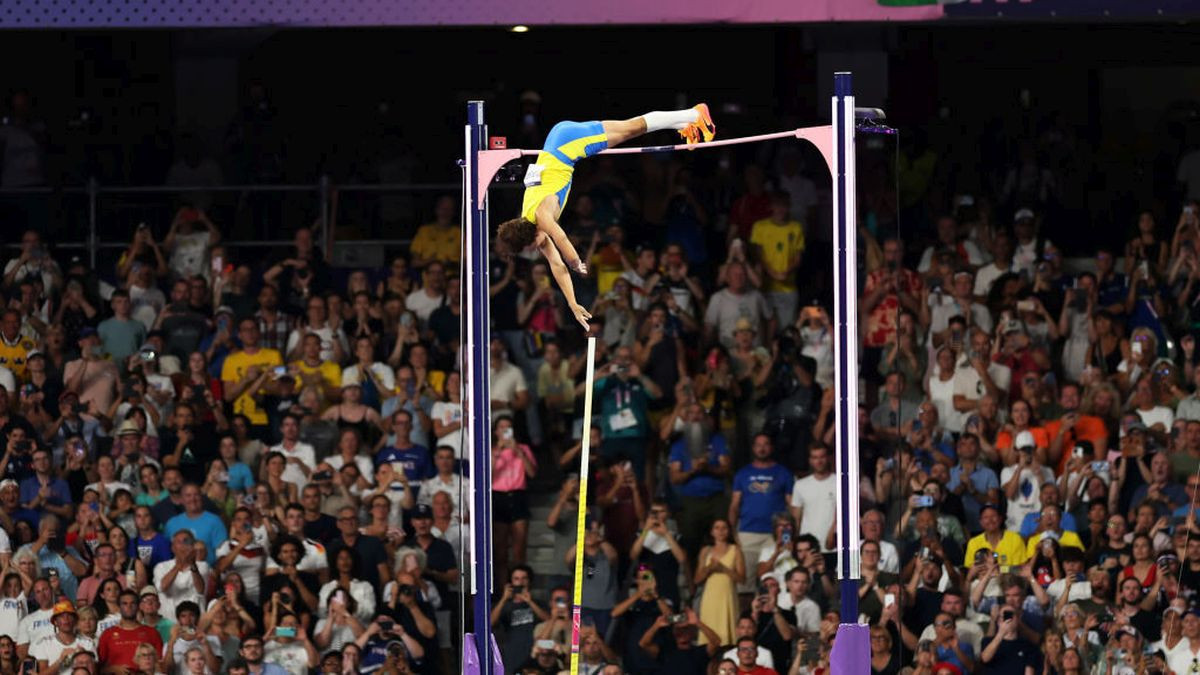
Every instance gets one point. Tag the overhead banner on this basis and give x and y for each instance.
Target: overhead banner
(316, 13)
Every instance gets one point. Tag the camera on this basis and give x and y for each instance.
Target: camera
(407, 589)
(1007, 615)
(386, 624)
(516, 589)
(323, 475)
(676, 619)
(22, 446)
(285, 597)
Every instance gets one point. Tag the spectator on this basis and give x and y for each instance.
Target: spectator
(244, 374)
(431, 294)
(600, 577)
(54, 651)
(625, 394)
(183, 578)
(203, 525)
(513, 465)
(657, 550)
(681, 654)
(759, 492)
(737, 301)
(119, 645)
(516, 613)
(699, 462)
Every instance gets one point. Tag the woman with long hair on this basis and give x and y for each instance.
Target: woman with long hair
(13, 605)
(198, 387)
(360, 592)
(398, 281)
(285, 491)
(124, 564)
(107, 604)
(352, 413)
(720, 568)
(249, 449)
(513, 465)
(1143, 566)
(152, 491)
(1020, 418)
(9, 663)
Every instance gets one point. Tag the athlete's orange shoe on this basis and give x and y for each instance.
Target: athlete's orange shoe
(701, 131)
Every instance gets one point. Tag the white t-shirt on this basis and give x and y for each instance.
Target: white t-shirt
(1029, 494)
(818, 500)
(941, 393)
(366, 468)
(448, 413)
(292, 657)
(301, 451)
(362, 592)
(111, 488)
(34, 626)
(182, 587)
(783, 564)
(12, 610)
(986, 276)
(250, 562)
(181, 647)
(974, 256)
(967, 382)
(327, 335)
(50, 647)
(506, 382)
(434, 485)
(420, 303)
(1179, 659)
(147, 303)
(1157, 414)
(807, 612)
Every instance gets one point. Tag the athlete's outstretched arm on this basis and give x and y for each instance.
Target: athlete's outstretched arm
(563, 276)
(547, 221)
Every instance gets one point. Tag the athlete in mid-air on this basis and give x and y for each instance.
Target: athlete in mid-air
(548, 181)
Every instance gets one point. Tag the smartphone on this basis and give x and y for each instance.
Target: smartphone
(676, 618)
(1100, 467)
(786, 537)
(507, 434)
(279, 371)
(386, 624)
(923, 502)
(217, 264)
(1079, 452)
(889, 599)
(1026, 306)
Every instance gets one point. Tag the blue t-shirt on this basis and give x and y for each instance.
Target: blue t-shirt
(947, 655)
(240, 477)
(150, 551)
(416, 461)
(764, 493)
(1029, 524)
(700, 485)
(983, 479)
(60, 494)
(205, 527)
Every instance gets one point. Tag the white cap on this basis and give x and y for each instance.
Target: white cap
(1024, 440)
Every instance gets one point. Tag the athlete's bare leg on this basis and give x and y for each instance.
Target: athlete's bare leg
(620, 131)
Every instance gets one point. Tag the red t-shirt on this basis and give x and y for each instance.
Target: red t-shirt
(758, 670)
(118, 645)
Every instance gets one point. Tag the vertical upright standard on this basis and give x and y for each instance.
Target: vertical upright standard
(852, 648)
(477, 414)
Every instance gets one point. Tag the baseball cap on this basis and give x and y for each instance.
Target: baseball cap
(148, 590)
(422, 511)
(1024, 440)
(1023, 214)
(87, 331)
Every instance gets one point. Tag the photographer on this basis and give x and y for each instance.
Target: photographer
(1008, 651)
(680, 653)
(385, 643)
(517, 613)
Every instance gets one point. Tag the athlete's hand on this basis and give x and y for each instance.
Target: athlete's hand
(581, 315)
(579, 267)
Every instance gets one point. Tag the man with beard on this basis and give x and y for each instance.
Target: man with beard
(119, 643)
(188, 446)
(203, 525)
(53, 652)
(699, 463)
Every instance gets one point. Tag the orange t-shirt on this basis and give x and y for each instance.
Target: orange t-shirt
(1041, 439)
(1087, 428)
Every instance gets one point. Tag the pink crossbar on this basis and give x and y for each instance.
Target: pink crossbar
(490, 161)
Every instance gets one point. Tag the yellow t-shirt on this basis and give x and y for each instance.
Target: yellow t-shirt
(443, 244)
(1011, 549)
(234, 369)
(12, 356)
(780, 244)
(328, 370)
(1068, 538)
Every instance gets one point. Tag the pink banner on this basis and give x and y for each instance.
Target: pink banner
(229, 13)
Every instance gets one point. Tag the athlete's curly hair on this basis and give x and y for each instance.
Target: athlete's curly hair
(516, 234)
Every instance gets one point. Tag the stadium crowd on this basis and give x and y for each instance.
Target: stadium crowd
(216, 463)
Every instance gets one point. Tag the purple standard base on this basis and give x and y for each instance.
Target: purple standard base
(851, 650)
(471, 665)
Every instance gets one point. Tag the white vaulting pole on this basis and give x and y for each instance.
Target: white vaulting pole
(581, 518)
